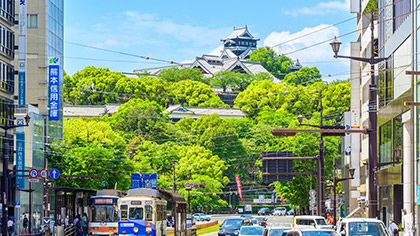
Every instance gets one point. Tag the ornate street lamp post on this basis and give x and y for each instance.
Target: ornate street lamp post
(373, 119)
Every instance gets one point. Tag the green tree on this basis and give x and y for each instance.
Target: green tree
(273, 63)
(141, 118)
(224, 79)
(304, 76)
(91, 86)
(194, 94)
(221, 137)
(176, 74)
(87, 143)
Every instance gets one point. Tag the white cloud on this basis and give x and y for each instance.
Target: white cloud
(318, 53)
(197, 35)
(321, 8)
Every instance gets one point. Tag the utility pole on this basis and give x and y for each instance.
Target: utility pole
(321, 166)
(174, 183)
(373, 130)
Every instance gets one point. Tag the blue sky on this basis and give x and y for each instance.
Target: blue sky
(181, 30)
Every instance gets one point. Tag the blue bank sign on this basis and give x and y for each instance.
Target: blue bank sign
(54, 89)
(144, 181)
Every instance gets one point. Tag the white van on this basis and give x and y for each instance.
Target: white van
(305, 222)
(361, 226)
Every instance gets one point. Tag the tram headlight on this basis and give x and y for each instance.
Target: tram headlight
(136, 230)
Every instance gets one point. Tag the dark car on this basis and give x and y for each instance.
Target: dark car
(264, 211)
(232, 226)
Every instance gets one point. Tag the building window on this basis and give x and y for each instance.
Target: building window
(385, 142)
(401, 12)
(32, 21)
(7, 41)
(386, 82)
(7, 81)
(7, 10)
(390, 138)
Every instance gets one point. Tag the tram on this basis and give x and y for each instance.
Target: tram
(142, 212)
(104, 212)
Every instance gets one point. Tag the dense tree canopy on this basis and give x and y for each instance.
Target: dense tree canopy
(141, 138)
(273, 63)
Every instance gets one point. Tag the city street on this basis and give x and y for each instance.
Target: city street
(272, 220)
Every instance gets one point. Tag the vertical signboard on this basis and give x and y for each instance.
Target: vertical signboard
(355, 148)
(347, 140)
(20, 151)
(238, 185)
(54, 89)
(22, 55)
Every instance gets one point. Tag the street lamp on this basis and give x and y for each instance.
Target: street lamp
(373, 117)
(6, 148)
(336, 180)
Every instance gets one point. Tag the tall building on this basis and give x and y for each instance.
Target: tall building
(395, 39)
(41, 40)
(7, 88)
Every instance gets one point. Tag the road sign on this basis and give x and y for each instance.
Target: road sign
(17, 203)
(46, 220)
(33, 173)
(33, 180)
(104, 183)
(144, 181)
(54, 173)
(43, 173)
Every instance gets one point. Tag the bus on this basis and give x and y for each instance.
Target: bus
(104, 212)
(142, 212)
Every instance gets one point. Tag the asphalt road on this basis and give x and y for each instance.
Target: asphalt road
(271, 220)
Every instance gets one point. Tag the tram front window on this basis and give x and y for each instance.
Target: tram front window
(104, 213)
(136, 213)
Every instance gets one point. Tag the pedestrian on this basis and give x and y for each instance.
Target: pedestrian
(10, 226)
(77, 222)
(393, 228)
(85, 224)
(66, 221)
(25, 223)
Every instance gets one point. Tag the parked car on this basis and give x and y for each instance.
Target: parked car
(262, 221)
(169, 221)
(291, 212)
(201, 217)
(277, 231)
(361, 226)
(280, 211)
(318, 222)
(252, 231)
(264, 211)
(247, 216)
(231, 226)
(310, 232)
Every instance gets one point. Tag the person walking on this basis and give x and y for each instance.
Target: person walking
(85, 224)
(11, 226)
(393, 228)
